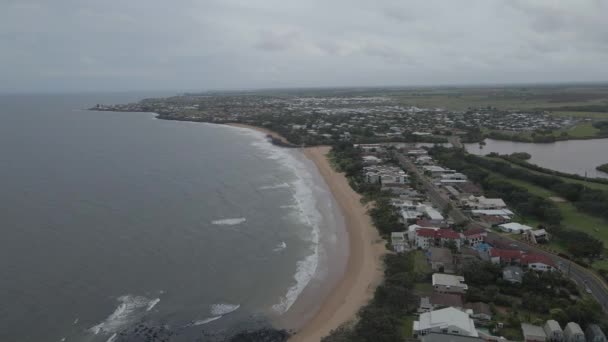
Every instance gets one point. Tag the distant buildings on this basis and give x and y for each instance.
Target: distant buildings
(594, 333)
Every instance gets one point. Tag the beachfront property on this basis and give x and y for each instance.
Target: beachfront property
(425, 238)
(399, 242)
(447, 321)
(514, 227)
(447, 283)
(411, 212)
(573, 333)
(553, 331)
(441, 259)
(533, 333)
(440, 300)
(385, 175)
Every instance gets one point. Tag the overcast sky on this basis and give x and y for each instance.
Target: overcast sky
(86, 45)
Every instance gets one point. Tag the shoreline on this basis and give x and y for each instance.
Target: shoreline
(364, 265)
(364, 268)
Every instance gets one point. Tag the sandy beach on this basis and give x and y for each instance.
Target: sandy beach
(260, 129)
(364, 268)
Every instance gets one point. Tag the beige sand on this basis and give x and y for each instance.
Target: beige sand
(260, 129)
(364, 269)
(364, 266)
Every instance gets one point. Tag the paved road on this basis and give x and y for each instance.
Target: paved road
(583, 277)
(439, 199)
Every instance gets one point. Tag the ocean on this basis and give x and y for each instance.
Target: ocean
(120, 226)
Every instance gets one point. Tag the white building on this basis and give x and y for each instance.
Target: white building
(399, 242)
(554, 331)
(484, 203)
(447, 283)
(574, 333)
(514, 227)
(446, 321)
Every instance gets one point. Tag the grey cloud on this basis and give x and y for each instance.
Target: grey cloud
(203, 44)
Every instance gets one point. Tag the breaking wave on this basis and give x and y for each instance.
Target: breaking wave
(229, 221)
(218, 311)
(223, 309)
(276, 186)
(130, 309)
(305, 206)
(280, 247)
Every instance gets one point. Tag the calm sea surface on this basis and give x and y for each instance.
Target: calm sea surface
(571, 156)
(110, 220)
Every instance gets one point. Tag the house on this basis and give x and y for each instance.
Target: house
(537, 236)
(494, 220)
(573, 333)
(429, 237)
(447, 321)
(469, 188)
(439, 301)
(504, 213)
(371, 160)
(484, 203)
(533, 333)
(594, 333)
(475, 236)
(479, 311)
(514, 227)
(398, 242)
(538, 262)
(447, 283)
(553, 331)
(436, 337)
(513, 274)
(505, 256)
(441, 259)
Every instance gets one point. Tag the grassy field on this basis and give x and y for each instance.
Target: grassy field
(421, 266)
(407, 326)
(583, 130)
(572, 217)
(590, 185)
(590, 115)
(509, 97)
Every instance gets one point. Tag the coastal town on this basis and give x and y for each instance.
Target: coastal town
(481, 275)
(483, 258)
(326, 119)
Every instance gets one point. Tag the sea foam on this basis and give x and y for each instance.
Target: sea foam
(229, 221)
(130, 309)
(307, 214)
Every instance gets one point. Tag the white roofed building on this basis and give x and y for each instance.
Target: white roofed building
(446, 321)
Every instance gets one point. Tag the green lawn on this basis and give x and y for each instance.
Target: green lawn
(407, 327)
(421, 266)
(583, 130)
(590, 185)
(423, 289)
(572, 218)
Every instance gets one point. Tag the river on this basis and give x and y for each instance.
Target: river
(570, 156)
